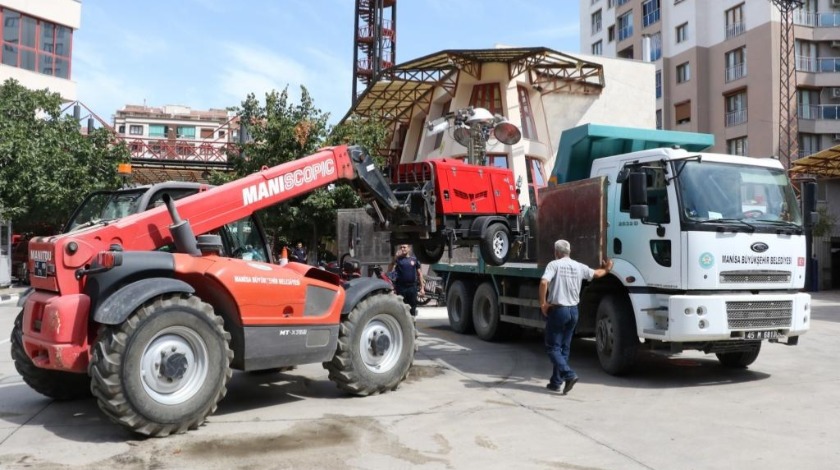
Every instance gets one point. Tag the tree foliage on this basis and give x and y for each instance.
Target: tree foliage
(46, 164)
(280, 131)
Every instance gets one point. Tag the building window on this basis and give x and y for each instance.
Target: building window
(736, 109)
(610, 3)
(611, 33)
(443, 110)
(650, 12)
(682, 112)
(659, 119)
(625, 26)
(121, 129)
(158, 130)
(487, 95)
(206, 133)
(655, 47)
(737, 146)
(222, 134)
(658, 84)
(596, 22)
(736, 64)
(621, 2)
(36, 45)
(682, 33)
(735, 25)
(809, 144)
(536, 178)
(186, 132)
(598, 48)
(529, 130)
(134, 129)
(683, 72)
(499, 160)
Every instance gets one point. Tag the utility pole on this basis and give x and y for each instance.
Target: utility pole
(788, 113)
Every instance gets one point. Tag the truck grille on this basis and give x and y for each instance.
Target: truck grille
(741, 277)
(759, 314)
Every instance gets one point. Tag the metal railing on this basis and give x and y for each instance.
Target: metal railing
(818, 64)
(829, 112)
(816, 20)
(735, 29)
(733, 118)
(736, 71)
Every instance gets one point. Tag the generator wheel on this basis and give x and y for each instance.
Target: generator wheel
(376, 345)
(429, 251)
(164, 369)
(495, 244)
(51, 383)
(741, 359)
(459, 303)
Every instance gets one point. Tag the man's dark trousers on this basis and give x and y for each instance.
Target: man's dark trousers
(409, 295)
(559, 328)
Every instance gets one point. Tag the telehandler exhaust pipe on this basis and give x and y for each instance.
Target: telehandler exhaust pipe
(181, 230)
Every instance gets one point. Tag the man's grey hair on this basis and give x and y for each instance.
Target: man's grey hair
(562, 247)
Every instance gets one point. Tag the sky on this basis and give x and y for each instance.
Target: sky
(211, 53)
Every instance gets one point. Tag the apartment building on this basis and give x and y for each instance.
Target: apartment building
(718, 66)
(717, 70)
(37, 43)
(176, 142)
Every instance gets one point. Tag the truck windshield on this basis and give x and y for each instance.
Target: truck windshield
(713, 190)
(105, 205)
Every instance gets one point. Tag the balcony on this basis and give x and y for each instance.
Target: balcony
(735, 72)
(625, 32)
(818, 64)
(816, 20)
(735, 29)
(733, 118)
(820, 112)
(650, 18)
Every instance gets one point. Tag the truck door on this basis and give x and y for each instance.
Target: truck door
(651, 244)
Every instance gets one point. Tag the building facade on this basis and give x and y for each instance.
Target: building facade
(717, 70)
(37, 43)
(176, 142)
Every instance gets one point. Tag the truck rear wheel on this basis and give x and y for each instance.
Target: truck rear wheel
(486, 314)
(51, 383)
(615, 335)
(376, 345)
(164, 369)
(740, 359)
(495, 244)
(459, 303)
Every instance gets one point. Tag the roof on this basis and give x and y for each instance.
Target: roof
(581, 145)
(394, 93)
(824, 163)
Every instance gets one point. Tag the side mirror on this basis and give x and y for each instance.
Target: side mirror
(638, 195)
(352, 238)
(809, 203)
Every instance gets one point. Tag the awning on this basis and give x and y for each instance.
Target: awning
(825, 163)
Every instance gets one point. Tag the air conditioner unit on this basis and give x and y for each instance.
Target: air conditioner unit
(835, 3)
(835, 44)
(835, 92)
(836, 137)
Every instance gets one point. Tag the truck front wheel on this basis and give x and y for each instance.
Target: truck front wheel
(459, 302)
(376, 345)
(164, 369)
(52, 383)
(740, 359)
(495, 244)
(615, 335)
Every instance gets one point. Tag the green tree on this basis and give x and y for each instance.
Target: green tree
(280, 131)
(46, 164)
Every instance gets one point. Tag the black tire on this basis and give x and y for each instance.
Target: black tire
(23, 273)
(741, 359)
(616, 339)
(127, 366)
(51, 383)
(459, 304)
(495, 244)
(485, 314)
(429, 251)
(376, 345)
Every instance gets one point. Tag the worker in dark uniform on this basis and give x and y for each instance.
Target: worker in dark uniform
(408, 276)
(299, 253)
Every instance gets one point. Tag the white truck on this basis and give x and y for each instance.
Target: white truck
(709, 250)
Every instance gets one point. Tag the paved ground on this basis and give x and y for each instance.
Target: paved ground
(471, 404)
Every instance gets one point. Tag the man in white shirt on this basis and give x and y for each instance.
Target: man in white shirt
(559, 298)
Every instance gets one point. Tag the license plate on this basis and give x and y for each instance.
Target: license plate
(761, 334)
(40, 269)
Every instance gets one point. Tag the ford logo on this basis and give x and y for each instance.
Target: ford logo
(759, 247)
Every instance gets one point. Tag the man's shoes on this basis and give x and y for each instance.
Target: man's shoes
(552, 387)
(567, 387)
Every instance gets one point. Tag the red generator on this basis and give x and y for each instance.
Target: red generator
(452, 203)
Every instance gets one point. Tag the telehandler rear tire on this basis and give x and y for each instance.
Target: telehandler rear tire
(164, 369)
(376, 345)
(51, 383)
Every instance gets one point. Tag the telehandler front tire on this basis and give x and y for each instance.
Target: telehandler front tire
(376, 345)
(164, 369)
(51, 383)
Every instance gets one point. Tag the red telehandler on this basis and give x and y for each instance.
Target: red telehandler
(151, 319)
